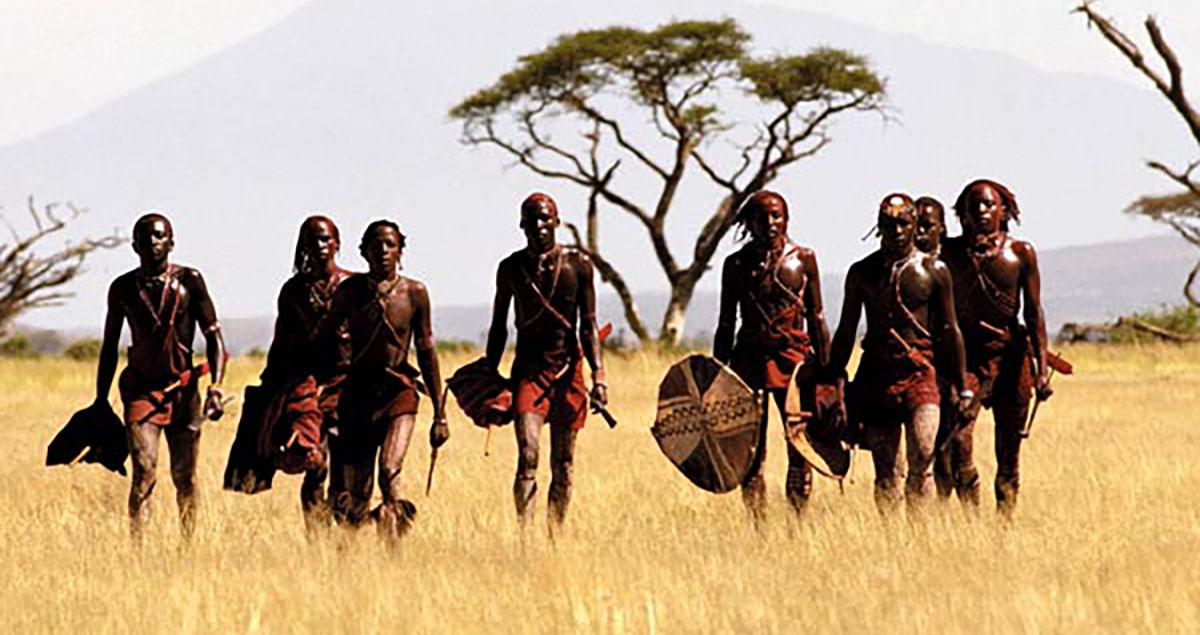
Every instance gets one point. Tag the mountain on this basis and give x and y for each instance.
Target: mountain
(341, 108)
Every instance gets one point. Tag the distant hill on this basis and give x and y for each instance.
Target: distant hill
(1081, 284)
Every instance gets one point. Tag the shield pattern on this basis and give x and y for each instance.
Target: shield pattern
(708, 423)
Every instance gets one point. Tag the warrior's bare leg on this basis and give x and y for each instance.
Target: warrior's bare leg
(312, 495)
(562, 458)
(1010, 418)
(961, 452)
(884, 442)
(394, 516)
(920, 435)
(143, 452)
(754, 488)
(528, 428)
(184, 445)
(352, 480)
(798, 484)
(943, 475)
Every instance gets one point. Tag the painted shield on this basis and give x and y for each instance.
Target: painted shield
(708, 423)
(814, 422)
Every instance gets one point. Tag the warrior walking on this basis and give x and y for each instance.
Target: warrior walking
(302, 411)
(775, 286)
(163, 303)
(382, 314)
(910, 304)
(995, 278)
(555, 300)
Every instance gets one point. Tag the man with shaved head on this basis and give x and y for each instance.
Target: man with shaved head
(163, 303)
(909, 300)
(551, 287)
(996, 284)
(776, 287)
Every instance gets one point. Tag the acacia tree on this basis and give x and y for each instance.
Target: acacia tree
(1179, 210)
(677, 79)
(30, 277)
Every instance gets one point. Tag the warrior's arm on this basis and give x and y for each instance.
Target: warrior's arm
(206, 316)
(843, 339)
(114, 320)
(1031, 286)
(427, 357)
(589, 339)
(951, 337)
(727, 315)
(498, 334)
(814, 308)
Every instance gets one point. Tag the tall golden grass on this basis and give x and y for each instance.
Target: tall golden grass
(1107, 535)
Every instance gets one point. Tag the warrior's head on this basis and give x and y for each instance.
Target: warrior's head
(539, 219)
(984, 208)
(764, 217)
(153, 238)
(317, 244)
(931, 224)
(382, 246)
(897, 224)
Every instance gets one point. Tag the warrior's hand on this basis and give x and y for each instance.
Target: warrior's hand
(1043, 388)
(599, 394)
(214, 403)
(966, 399)
(439, 433)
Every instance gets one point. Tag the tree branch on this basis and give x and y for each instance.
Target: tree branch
(612, 277)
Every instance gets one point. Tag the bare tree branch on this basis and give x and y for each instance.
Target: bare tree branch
(29, 279)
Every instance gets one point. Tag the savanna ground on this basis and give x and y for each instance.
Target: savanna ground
(1107, 536)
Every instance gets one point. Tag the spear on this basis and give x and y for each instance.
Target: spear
(1025, 431)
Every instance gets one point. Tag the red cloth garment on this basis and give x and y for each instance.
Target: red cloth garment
(369, 400)
(559, 395)
(1000, 365)
(482, 393)
(892, 381)
(161, 402)
(766, 360)
(298, 434)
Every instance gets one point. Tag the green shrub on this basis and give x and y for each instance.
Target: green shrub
(1181, 319)
(456, 346)
(18, 346)
(83, 350)
(257, 352)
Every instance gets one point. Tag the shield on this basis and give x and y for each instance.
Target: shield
(814, 422)
(708, 423)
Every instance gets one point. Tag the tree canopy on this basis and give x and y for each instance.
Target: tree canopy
(684, 75)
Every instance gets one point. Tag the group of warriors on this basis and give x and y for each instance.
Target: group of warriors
(953, 325)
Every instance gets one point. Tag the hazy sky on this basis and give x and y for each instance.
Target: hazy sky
(1044, 33)
(60, 60)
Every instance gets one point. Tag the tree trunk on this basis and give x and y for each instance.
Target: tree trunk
(675, 316)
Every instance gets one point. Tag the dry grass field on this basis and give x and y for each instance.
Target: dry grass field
(1107, 536)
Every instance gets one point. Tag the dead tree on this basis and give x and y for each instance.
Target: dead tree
(677, 82)
(1180, 210)
(31, 277)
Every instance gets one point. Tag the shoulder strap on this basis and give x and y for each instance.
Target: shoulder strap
(546, 307)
